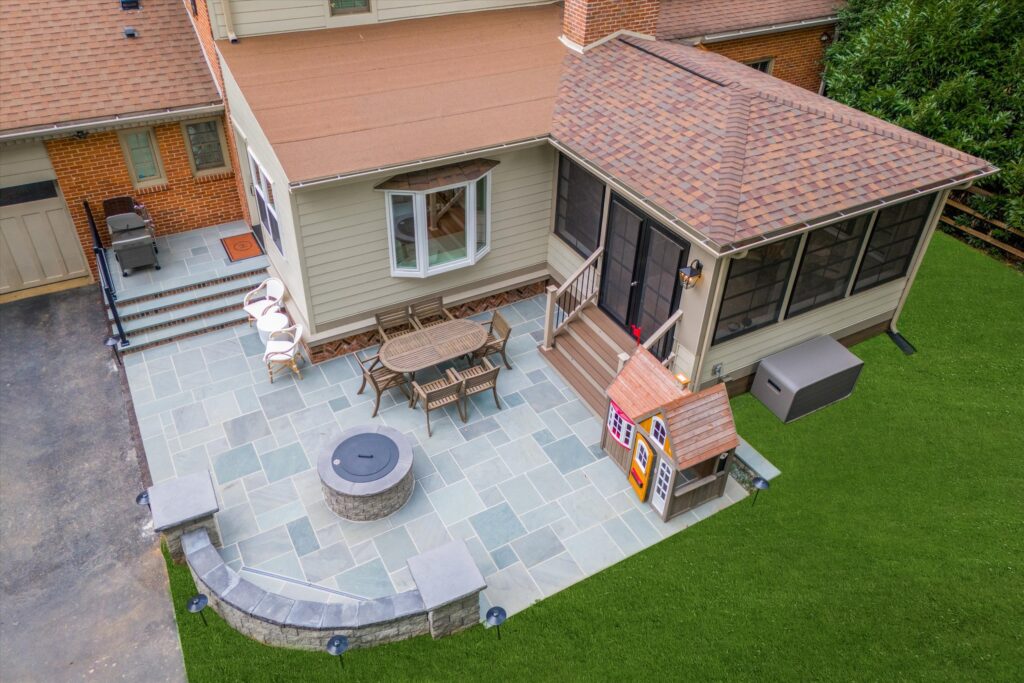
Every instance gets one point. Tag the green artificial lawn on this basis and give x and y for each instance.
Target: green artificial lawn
(890, 548)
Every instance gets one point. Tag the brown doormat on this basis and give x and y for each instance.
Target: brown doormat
(241, 247)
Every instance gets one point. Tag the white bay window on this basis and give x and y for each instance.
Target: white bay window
(439, 219)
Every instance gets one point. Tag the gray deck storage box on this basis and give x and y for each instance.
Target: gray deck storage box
(808, 376)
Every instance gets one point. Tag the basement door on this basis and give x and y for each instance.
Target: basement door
(640, 273)
(38, 242)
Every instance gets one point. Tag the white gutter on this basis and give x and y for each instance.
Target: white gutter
(407, 165)
(119, 120)
(761, 30)
(844, 215)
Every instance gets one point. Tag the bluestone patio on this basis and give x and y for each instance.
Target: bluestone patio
(526, 487)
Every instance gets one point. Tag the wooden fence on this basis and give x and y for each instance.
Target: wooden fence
(980, 226)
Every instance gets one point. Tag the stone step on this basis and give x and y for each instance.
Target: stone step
(177, 301)
(225, 303)
(183, 329)
(243, 270)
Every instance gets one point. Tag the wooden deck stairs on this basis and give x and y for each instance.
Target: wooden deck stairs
(586, 355)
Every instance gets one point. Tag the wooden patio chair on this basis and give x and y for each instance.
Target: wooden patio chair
(438, 394)
(498, 333)
(429, 313)
(380, 378)
(477, 379)
(394, 322)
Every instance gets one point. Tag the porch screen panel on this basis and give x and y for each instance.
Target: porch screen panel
(893, 240)
(827, 264)
(579, 207)
(755, 288)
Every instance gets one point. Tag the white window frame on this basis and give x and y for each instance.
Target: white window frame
(662, 473)
(423, 268)
(161, 177)
(259, 188)
(656, 421)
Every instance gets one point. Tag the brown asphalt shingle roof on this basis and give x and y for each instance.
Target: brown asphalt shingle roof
(69, 61)
(692, 18)
(731, 152)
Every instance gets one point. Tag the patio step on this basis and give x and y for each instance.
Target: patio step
(149, 307)
(182, 329)
(206, 307)
(586, 355)
(158, 290)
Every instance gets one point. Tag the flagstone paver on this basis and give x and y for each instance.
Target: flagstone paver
(525, 486)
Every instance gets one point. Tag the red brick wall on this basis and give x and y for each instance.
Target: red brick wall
(204, 31)
(584, 21)
(95, 169)
(798, 54)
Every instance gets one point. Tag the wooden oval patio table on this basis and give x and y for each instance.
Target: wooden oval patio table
(433, 345)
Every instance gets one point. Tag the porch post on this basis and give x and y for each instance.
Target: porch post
(549, 318)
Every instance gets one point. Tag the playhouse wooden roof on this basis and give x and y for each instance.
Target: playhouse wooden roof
(644, 385)
(700, 426)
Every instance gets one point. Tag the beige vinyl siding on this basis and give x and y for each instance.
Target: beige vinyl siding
(563, 259)
(738, 356)
(344, 234)
(259, 17)
(23, 163)
(288, 268)
(390, 10)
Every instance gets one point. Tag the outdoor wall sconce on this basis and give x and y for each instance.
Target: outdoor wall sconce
(683, 379)
(690, 275)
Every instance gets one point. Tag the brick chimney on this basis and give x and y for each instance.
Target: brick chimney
(587, 21)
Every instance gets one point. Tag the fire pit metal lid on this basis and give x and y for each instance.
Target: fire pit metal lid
(343, 470)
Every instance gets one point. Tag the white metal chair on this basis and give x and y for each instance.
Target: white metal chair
(269, 296)
(283, 351)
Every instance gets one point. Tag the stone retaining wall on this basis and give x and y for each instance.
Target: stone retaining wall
(277, 620)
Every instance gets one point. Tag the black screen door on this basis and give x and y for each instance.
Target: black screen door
(620, 254)
(640, 277)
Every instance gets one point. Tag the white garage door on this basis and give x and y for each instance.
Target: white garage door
(38, 244)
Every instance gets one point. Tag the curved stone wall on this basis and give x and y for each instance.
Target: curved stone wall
(277, 620)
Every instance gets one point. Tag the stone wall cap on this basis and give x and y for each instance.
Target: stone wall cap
(367, 488)
(204, 560)
(306, 614)
(181, 500)
(244, 596)
(409, 602)
(220, 579)
(340, 615)
(273, 608)
(446, 574)
(191, 541)
(376, 611)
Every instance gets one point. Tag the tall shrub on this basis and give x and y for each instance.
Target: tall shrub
(952, 70)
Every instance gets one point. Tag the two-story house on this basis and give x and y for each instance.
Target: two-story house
(567, 144)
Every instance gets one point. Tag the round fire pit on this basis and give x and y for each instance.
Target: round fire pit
(368, 475)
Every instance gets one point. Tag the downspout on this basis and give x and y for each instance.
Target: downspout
(710, 313)
(919, 257)
(229, 22)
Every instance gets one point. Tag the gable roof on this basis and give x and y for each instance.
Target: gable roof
(644, 385)
(692, 18)
(63, 62)
(733, 153)
(700, 426)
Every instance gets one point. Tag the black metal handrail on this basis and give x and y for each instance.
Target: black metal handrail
(106, 283)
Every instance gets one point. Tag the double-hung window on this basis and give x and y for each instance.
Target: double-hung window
(143, 157)
(206, 146)
(263, 190)
(433, 227)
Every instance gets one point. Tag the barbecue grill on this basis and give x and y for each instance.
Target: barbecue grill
(131, 235)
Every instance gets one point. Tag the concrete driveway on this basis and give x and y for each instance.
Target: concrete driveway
(83, 588)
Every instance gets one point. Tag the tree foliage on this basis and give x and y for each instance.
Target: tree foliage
(952, 70)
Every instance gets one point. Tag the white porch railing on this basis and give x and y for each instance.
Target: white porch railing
(660, 334)
(565, 303)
